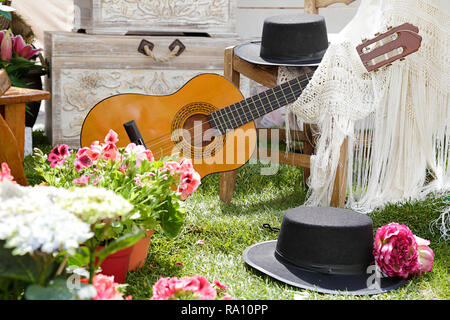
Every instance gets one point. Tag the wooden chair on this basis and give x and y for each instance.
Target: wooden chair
(12, 127)
(267, 76)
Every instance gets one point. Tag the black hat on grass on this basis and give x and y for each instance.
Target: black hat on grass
(325, 249)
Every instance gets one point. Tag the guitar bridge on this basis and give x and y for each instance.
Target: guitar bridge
(133, 133)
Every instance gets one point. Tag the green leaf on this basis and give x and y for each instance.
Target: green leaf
(56, 290)
(123, 242)
(173, 218)
(17, 267)
(6, 15)
(80, 258)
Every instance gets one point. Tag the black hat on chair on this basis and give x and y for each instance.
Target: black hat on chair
(328, 250)
(290, 40)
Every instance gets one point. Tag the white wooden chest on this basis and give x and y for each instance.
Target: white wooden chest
(86, 69)
(215, 17)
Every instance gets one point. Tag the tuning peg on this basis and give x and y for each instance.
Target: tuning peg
(401, 59)
(389, 27)
(377, 34)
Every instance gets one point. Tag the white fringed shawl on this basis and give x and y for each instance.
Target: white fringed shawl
(403, 110)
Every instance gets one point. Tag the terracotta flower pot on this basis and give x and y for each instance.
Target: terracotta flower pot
(116, 264)
(140, 252)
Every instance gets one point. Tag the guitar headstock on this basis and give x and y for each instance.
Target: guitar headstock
(394, 44)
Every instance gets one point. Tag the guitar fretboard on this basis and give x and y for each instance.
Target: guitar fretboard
(245, 111)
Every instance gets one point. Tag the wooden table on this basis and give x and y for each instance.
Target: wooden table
(12, 127)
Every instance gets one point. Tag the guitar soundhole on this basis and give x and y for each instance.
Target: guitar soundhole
(198, 132)
(192, 132)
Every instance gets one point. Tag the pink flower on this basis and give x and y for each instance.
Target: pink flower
(84, 160)
(6, 45)
(106, 288)
(426, 255)
(185, 165)
(219, 285)
(83, 180)
(189, 182)
(200, 285)
(111, 137)
(179, 264)
(5, 173)
(226, 296)
(139, 152)
(111, 152)
(163, 289)
(192, 287)
(58, 155)
(171, 166)
(201, 242)
(22, 49)
(395, 250)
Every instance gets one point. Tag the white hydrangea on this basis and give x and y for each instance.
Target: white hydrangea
(92, 204)
(49, 230)
(49, 219)
(30, 221)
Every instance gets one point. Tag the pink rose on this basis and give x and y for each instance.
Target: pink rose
(106, 288)
(189, 182)
(395, 250)
(5, 173)
(426, 255)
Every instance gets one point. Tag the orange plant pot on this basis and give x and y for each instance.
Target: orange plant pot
(140, 252)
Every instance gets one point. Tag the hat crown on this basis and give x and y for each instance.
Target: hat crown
(293, 37)
(328, 240)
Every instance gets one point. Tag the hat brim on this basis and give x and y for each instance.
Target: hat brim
(261, 257)
(250, 51)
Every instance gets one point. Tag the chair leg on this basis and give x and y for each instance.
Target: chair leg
(307, 149)
(228, 179)
(340, 182)
(11, 152)
(227, 182)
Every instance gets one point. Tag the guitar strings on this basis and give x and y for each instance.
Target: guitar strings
(272, 94)
(166, 144)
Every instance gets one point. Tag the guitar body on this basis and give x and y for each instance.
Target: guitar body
(178, 124)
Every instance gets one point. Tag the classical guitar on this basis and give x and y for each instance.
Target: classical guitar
(208, 119)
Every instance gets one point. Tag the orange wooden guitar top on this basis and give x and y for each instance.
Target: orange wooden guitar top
(157, 116)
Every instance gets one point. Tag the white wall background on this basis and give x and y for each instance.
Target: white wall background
(251, 14)
(58, 14)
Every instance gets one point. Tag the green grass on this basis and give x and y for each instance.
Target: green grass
(228, 229)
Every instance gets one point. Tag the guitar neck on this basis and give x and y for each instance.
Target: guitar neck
(245, 111)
